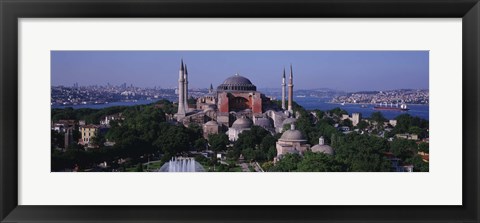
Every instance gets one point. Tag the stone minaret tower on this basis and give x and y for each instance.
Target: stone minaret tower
(284, 86)
(185, 95)
(210, 90)
(181, 92)
(290, 91)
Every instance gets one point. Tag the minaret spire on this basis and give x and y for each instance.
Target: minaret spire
(283, 89)
(291, 74)
(181, 86)
(185, 95)
(290, 90)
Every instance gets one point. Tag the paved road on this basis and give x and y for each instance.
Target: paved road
(257, 167)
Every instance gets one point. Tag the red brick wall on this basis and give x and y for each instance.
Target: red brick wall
(223, 102)
(254, 102)
(257, 105)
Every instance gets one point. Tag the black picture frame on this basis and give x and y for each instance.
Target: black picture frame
(11, 11)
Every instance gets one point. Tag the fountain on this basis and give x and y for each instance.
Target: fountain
(182, 164)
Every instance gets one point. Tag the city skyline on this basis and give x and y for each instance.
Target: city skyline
(366, 70)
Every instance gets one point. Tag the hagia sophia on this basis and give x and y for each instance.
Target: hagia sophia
(236, 106)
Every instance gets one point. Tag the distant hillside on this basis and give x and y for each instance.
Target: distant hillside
(318, 93)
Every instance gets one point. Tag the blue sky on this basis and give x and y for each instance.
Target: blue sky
(340, 70)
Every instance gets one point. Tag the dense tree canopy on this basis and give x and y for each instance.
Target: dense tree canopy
(362, 153)
(255, 144)
(144, 132)
(409, 124)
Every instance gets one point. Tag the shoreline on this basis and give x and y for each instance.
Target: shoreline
(365, 103)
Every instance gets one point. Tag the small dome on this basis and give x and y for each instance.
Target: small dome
(289, 121)
(242, 123)
(292, 135)
(263, 122)
(211, 123)
(323, 149)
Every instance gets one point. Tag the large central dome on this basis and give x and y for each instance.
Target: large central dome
(236, 80)
(237, 83)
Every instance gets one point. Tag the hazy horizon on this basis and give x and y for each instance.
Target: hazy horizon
(348, 71)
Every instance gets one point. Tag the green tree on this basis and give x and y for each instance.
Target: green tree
(57, 139)
(347, 122)
(200, 144)
(338, 112)
(362, 153)
(379, 119)
(415, 130)
(403, 148)
(139, 168)
(406, 121)
(418, 164)
(255, 144)
(288, 163)
(362, 125)
(172, 139)
(267, 147)
(99, 139)
(249, 154)
(267, 166)
(318, 162)
(218, 142)
(423, 147)
(320, 114)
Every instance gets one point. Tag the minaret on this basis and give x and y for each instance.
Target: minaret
(290, 91)
(181, 92)
(284, 86)
(185, 95)
(210, 90)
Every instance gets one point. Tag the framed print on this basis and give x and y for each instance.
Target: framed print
(204, 111)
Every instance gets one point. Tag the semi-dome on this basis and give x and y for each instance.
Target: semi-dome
(323, 149)
(292, 136)
(242, 123)
(237, 83)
